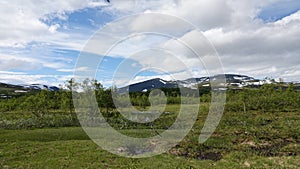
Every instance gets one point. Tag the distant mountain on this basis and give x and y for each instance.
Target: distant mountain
(10, 90)
(232, 80)
(40, 87)
(148, 85)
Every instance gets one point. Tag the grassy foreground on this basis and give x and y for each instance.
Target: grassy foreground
(252, 140)
(71, 148)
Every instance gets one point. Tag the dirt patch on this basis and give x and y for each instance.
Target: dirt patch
(189, 153)
(256, 145)
(210, 156)
(269, 148)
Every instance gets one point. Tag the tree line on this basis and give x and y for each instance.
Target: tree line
(266, 98)
(269, 97)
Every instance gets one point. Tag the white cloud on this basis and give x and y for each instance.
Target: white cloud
(268, 50)
(73, 70)
(53, 28)
(158, 23)
(22, 62)
(246, 44)
(22, 20)
(19, 78)
(292, 19)
(12, 73)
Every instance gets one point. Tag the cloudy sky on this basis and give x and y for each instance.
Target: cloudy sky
(40, 41)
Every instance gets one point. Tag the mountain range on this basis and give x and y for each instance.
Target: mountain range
(232, 80)
(9, 90)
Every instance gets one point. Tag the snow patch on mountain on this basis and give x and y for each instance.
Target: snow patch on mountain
(40, 87)
(232, 80)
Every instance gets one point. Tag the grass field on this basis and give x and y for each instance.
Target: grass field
(71, 148)
(255, 140)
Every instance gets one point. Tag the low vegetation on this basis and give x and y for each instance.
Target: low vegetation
(260, 128)
(242, 140)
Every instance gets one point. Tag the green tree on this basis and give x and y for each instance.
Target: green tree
(37, 104)
(66, 96)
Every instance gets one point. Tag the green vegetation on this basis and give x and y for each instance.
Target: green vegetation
(242, 140)
(260, 129)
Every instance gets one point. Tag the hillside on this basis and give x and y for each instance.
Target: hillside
(10, 90)
(232, 80)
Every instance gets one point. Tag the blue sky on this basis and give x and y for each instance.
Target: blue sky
(279, 10)
(40, 42)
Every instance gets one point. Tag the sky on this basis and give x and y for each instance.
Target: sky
(41, 41)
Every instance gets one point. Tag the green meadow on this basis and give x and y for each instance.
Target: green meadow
(242, 140)
(260, 128)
